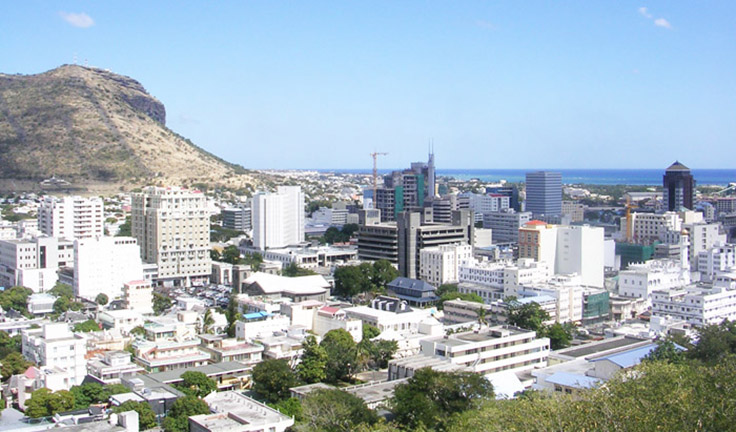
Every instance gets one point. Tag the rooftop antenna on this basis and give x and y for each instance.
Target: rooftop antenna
(375, 174)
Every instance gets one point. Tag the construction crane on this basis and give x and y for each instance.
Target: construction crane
(375, 174)
(629, 220)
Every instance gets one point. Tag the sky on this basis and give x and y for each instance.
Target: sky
(493, 84)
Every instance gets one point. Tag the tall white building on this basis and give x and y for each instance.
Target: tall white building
(648, 227)
(71, 217)
(439, 265)
(486, 203)
(278, 218)
(55, 347)
(103, 264)
(703, 236)
(173, 231)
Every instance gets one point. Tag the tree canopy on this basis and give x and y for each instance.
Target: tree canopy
(366, 277)
(196, 384)
(528, 316)
(44, 403)
(333, 410)
(342, 355)
(87, 326)
(177, 419)
(13, 364)
(311, 368)
(146, 416)
(272, 380)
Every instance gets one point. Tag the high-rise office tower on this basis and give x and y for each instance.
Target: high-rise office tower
(71, 217)
(679, 187)
(172, 227)
(406, 190)
(544, 193)
(278, 218)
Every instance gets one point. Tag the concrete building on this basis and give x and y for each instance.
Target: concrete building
(698, 305)
(278, 218)
(103, 264)
(235, 412)
(138, 296)
(237, 218)
(505, 225)
(297, 289)
(387, 313)
(486, 203)
(307, 257)
(173, 231)
(41, 303)
(112, 367)
(406, 190)
(71, 217)
(544, 193)
(488, 350)
(721, 258)
(439, 265)
(123, 320)
(575, 212)
(401, 242)
(164, 355)
(54, 346)
(726, 205)
(34, 263)
(649, 227)
(679, 187)
(640, 280)
(329, 318)
(702, 237)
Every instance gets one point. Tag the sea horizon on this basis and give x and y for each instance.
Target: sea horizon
(633, 177)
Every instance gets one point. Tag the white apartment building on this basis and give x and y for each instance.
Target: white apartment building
(112, 367)
(640, 280)
(233, 411)
(102, 265)
(123, 320)
(439, 265)
(55, 346)
(278, 218)
(260, 324)
(71, 217)
(565, 289)
(173, 231)
(505, 275)
(138, 296)
(698, 305)
(717, 259)
(702, 236)
(164, 355)
(485, 351)
(387, 313)
(329, 318)
(34, 263)
(648, 227)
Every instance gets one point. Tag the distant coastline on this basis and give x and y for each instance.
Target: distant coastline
(637, 177)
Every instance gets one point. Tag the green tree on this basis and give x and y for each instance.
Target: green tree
(376, 354)
(43, 403)
(15, 298)
(89, 393)
(311, 368)
(458, 296)
(161, 303)
(215, 255)
(290, 407)
(528, 316)
(666, 351)
(9, 344)
(559, 335)
(429, 398)
(146, 416)
(101, 299)
(87, 326)
(196, 384)
(369, 331)
(231, 255)
(138, 330)
(177, 419)
(342, 355)
(293, 270)
(254, 260)
(125, 230)
(272, 379)
(208, 320)
(715, 341)
(62, 290)
(383, 273)
(351, 281)
(333, 410)
(14, 364)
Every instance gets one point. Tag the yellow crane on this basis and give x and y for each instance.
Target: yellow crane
(375, 174)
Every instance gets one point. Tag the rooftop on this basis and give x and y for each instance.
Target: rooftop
(273, 284)
(412, 284)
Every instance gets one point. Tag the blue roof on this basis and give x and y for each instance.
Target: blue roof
(412, 284)
(632, 357)
(536, 299)
(573, 380)
(256, 315)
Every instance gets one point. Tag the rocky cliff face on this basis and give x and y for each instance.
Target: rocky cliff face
(85, 124)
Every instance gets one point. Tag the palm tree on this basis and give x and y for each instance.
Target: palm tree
(482, 316)
(207, 322)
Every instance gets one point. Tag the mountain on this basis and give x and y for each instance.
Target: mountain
(91, 126)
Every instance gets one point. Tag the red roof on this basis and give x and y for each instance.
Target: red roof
(536, 222)
(31, 372)
(330, 309)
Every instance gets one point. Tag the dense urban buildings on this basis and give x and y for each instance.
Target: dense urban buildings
(406, 190)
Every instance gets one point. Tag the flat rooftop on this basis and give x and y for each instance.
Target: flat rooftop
(598, 347)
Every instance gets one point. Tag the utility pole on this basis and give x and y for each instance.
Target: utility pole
(375, 174)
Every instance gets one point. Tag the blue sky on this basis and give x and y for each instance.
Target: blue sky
(574, 84)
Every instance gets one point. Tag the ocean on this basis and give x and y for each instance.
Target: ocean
(641, 177)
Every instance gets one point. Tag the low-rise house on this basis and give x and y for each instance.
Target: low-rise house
(124, 320)
(112, 367)
(235, 412)
(223, 349)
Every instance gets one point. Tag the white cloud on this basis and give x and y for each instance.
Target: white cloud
(81, 20)
(661, 22)
(644, 12)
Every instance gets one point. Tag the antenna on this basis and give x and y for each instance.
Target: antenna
(375, 174)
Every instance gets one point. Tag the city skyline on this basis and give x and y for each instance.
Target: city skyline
(271, 86)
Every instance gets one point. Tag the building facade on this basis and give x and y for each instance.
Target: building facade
(544, 193)
(679, 187)
(71, 217)
(278, 218)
